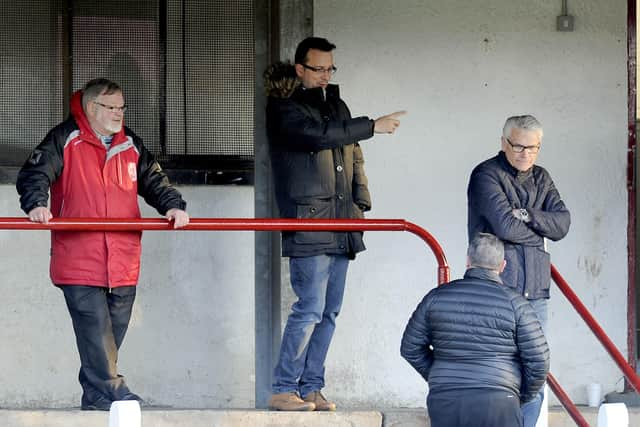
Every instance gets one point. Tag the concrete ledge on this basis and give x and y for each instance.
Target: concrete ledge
(405, 418)
(192, 418)
(255, 418)
(558, 417)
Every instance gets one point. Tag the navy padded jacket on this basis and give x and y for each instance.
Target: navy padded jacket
(477, 333)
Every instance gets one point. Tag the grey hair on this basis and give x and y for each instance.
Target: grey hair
(486, 251)
(525, 122)
(96, 87)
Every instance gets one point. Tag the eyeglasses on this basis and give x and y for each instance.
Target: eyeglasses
(112, 108)
(320, 70)
(533, 149)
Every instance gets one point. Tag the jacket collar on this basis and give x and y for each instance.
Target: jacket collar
(314, 96)
(504, 162)
(482, 274)
(86, 132)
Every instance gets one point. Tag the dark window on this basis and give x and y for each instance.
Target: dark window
(186, 68)
(31, 78)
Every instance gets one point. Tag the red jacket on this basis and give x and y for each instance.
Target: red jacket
(86, 181)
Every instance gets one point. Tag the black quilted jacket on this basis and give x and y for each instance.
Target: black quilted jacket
(477, 333)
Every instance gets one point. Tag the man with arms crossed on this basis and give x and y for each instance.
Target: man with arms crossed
(516, 200)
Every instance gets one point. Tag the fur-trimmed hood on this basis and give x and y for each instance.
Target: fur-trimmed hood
(280, 80)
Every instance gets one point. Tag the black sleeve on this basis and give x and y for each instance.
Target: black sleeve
(554, 219)
(416, 340)
(488, 200)
(154, 185)
(41, 169)
(291, 128)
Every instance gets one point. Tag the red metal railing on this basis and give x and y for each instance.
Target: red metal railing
(265, 224)
(615, 354)
(238, 224)
(566, 401)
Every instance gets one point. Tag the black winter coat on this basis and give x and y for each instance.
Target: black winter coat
(477, 333)
(495, 188)
(318, 167)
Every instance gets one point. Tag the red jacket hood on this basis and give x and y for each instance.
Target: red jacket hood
(86, 132)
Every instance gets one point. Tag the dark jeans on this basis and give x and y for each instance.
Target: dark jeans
(100, 320)
(474, 408)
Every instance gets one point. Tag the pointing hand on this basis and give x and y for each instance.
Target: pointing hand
(388, 123)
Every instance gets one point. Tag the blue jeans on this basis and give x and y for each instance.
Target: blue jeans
(531, 409)
(318, 282)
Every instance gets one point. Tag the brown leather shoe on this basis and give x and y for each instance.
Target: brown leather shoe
(289, 402)
(322, 404)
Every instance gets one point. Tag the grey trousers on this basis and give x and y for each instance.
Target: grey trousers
(100, 321)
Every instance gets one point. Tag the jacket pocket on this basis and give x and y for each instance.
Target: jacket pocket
(538, 268)
(316, 209)
(513, 269)
(121, 173)
(358, 213)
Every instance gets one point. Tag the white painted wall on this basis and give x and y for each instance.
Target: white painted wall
(191, 342)
(460, 68)
(191, 339)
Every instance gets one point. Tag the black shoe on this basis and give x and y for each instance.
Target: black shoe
(101, 403)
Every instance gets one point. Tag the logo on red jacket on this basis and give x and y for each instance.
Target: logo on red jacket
(132, 171)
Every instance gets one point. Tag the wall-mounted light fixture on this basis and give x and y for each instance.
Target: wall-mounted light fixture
(564, 21)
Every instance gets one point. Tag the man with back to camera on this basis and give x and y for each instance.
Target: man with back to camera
(95, 167)
(478, 344)
(318, 174)
(515, 199)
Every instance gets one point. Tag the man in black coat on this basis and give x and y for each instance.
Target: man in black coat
(516, 200)
(478, 344)
(318, 174)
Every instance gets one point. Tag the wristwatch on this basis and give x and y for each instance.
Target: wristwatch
(524, 215)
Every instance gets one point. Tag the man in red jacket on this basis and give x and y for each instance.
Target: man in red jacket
(95, 167)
